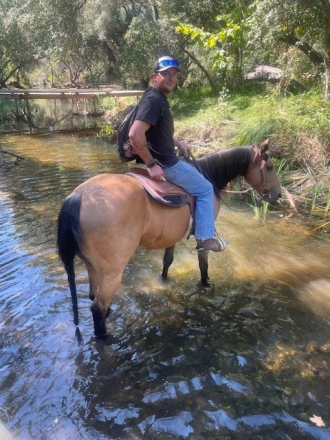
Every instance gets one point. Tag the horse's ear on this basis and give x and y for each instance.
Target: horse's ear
(264, 146)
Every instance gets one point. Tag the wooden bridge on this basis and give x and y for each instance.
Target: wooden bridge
(66, 93)
(79, 98)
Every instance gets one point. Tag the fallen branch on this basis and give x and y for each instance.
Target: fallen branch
(18, 158)
(274, 75)
(290, 199)
(13, 154)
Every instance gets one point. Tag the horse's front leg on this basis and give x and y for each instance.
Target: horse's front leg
(203, 266)
(167, 260)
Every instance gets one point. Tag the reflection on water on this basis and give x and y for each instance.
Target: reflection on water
(44, 115)
(247, 358)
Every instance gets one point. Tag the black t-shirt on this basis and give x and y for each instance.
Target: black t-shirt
(155, 110)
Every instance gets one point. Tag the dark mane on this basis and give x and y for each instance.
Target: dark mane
(224, 166)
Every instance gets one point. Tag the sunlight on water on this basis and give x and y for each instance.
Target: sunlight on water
(246, 358)
(316, 297)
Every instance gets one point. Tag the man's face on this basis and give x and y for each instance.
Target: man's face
(166, 80)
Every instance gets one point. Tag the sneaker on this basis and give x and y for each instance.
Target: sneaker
(215, 244)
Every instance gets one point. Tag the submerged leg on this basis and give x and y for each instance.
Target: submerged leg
(100, 307)
(203, 266)
(99, 317)
(167, 260)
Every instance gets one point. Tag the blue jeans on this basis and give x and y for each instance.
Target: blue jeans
(192, 181)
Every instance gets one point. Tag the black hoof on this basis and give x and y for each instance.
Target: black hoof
(205, 282)
(163, 279)
(103, 337)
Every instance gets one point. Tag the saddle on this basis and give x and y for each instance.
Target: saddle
(163, 191)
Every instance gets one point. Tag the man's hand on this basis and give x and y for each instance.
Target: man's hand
(185, 148)
(156, 172)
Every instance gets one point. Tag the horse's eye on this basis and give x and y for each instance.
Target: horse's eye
(269, 167)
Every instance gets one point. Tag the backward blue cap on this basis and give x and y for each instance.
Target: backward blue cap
(165, 63)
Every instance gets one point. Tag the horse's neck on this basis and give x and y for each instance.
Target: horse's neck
(237, 161)
(223, 167)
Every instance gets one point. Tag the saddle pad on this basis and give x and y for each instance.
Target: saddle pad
(164, 192)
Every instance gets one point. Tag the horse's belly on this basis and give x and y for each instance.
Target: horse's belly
(165, 226)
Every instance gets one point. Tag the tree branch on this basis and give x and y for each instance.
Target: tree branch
(315, 57)
(195, 60)
(18, 158)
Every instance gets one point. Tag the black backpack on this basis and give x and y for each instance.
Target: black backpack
(123, 147)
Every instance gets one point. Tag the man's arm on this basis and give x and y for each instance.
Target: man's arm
(138, 140)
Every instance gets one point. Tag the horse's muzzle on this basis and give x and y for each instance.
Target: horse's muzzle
(270, 195)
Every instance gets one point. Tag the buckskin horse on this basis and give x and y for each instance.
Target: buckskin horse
(105, 219)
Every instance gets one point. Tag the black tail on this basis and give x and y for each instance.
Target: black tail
(68, 237)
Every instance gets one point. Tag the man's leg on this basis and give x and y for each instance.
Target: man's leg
(188, 178)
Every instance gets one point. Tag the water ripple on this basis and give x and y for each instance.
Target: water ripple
(246, 358)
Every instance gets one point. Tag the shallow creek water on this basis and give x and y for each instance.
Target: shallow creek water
(246, 358)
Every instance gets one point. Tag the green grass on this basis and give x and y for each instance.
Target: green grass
(258, 116)
(299, 131)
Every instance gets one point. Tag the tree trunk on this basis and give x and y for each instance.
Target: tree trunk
(190, 55)
(274, 75)
(326, 76)
(315, 57)
(326, 51)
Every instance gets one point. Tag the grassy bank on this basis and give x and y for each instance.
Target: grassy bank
(298, 128)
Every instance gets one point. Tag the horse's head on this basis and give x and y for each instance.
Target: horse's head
(261, 174)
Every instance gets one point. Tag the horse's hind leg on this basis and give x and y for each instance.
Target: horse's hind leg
(106, 290)
(203, 266)
(94, 281)
(167, 260)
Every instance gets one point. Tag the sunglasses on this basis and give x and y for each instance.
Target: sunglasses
(168, 63)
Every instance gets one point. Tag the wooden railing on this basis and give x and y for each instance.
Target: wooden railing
(65, 93)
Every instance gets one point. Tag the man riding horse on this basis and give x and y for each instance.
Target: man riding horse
(152, 139)
(105, 219)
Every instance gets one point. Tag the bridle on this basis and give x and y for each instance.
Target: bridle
(260, 161)
(257, 159)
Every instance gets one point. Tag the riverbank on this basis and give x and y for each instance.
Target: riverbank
(298, 128)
